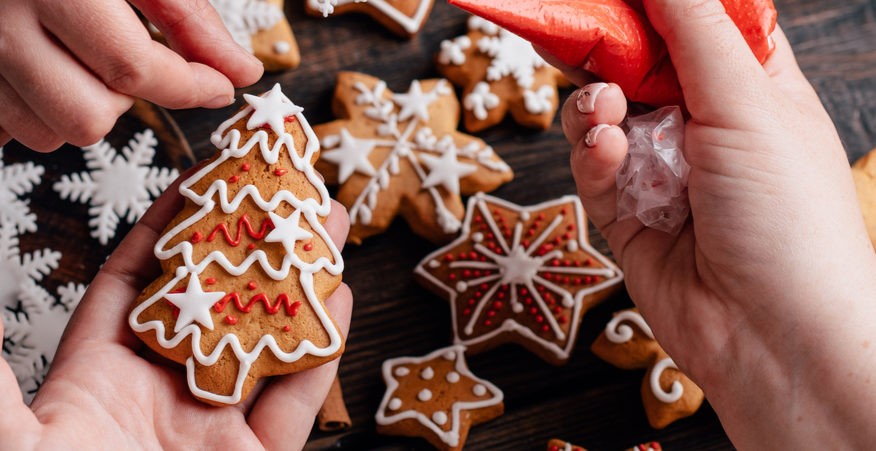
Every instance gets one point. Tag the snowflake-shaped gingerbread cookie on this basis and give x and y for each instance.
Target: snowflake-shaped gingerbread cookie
(628, 343)
(520, 274)
(260, 26)
(500, 73)
(562, 445)
(436, 397)
(403, 17)
(16, 180)
(117, 185)
(401, 154)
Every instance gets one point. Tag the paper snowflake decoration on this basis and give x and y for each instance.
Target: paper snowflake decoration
(117, 185)
(16, 180)
(520, 274)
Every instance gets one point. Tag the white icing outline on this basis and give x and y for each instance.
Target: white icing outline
(616, 332)
(451, 437)
(411, 24)
(611, 272)
(230, 143)
(675, 391)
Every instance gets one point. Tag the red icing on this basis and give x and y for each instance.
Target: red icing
(244, 167)
(250, 246)
(282, 301)
(197, 237)
(233, 178)
(287, 328)
(210, 280)
(252, 285)
(554, 448)
(279, 172)
(242, 223)
(308, 247)
(231, 319)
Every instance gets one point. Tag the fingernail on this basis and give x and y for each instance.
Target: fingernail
(219, 102)
(587, 97)
(593, 134)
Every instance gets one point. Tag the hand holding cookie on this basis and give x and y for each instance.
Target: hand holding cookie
(764, 292)
(68, 70)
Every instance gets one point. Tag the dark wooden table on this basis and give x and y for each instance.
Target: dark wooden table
(587, 402)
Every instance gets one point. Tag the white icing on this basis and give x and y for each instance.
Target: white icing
(424, 395)
(311, 209)
(676, 390)
(480, 100)
(281, 47)
(245, 18)
(351, 155)
(394, 404)
(445, 170)
(453, 52)
(510, 55)
(477, 237)
(452, 377)
(16, 180)
(616, 332)
(572, 246)
(434, 264)
(451, 436)
(427, 373)
(410, 24)
(271, 109)
(461, 286)
(539, 101)
(513, 257)
(440, 418)
(524, 216)
(479, 390)
(194, 305)
(483, 25)
(402, 371)
(287, 231)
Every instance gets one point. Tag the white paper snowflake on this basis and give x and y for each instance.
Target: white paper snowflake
(244, 18)
(118, 184)
(17, 180)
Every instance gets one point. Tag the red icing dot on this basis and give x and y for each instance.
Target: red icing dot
(490, 236)
(539, 319)
(252, 285)
(451, 276)
(244, 167)
(289, 119)
(525, 243)
(562, 319)
(230, 319)
(197, 236)
(555, 262)
(471, 301)
(500, 295)
(491, 313)
(524, 291)
(478, 294)
(484, 286)
(533, 310)
(655, 445)
(478, 219)
(577, 281)
(476, 273)
(528, 301)
(233, 178)
(530, 232)
(487, 322)
(287, 328)
(487, 272)
(250, 246)
(570, 227)
(462, 255)
(548, 276)
(448, 257)
(588, 262)
(497, 305)
(466, 311)
(588, 279)
(554, 448)
(308, 247)
(545, 328)
(466, 273)
(536, 224)
(279, 172)
(210, 280)
(564, 210)
(558, 310)
(473, 255)
(540, 216)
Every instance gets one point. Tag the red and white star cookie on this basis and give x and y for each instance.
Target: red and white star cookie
(520, 274)
(435, 397)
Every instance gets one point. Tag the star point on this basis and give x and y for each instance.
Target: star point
(287, 231)
(351, 156)
(445, 170)
(270, 108)
(194, 304)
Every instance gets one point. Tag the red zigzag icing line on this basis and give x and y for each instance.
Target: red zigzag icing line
(282, 300)
(242, 223)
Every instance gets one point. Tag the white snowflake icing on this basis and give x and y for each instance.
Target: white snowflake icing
(244, 18)
(453, 52)
(17, 180)
(417, 143)
(538, 101)
(117, 185)
(511, 55)
(480, 100)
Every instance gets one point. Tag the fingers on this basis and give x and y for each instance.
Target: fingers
(29, 129)
(301, 394)
(715, 66)
(129, 61)
(338, 224)
(785, 73)
(595, 159)
(596, 103)
(195, 30)
(576, 75)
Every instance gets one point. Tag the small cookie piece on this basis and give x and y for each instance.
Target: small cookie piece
(436, 397)
(401, 154)
(403, 17)
(500, 73)
(864, 175)
(560, 445)
(247, 263)
(667, 394)
(523, 275)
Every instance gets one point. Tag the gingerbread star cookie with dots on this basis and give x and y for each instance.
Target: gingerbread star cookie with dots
(522, 275)
(403, 17)
(247, 263)
(500, 73)
(401, 154)
(628, 343)
(436, 397)
(561, 445)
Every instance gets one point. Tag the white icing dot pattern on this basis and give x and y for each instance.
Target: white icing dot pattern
(424, 395)
(427, 373)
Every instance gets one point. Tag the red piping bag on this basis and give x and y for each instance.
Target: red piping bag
(614, 40)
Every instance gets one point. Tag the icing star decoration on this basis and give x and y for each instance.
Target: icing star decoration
(403, 17)
(287, 230)
(270, 109)
(401, 154)
(628, 343)
(499, 73)
(440, 394)
(520, 274)
(194, 304)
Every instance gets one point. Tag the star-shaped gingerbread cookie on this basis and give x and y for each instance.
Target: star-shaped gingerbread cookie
(520, 274)
(628, 343)
(401, 154)
(500, 73)
(436, 397)
(403, 17)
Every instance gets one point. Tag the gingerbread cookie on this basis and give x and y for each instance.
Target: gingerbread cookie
(652, 446)
(247, 263)
(500, 73)
(520, 274)
(401, 154)
(561, 445)
(436, 397)
(864, 175)
(403, 17)
(627, 343)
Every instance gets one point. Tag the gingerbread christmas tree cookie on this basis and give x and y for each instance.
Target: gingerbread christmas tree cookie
(561, 445)
(500, 73)
(247, 262)
(436, 397)
(403, 17)
(628, 343)
(520, 274)
(401, 154)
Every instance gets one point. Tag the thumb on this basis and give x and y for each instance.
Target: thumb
(716, 68)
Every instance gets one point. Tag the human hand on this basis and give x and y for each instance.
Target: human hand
(765, 298)
(107, 390)
(68, 70)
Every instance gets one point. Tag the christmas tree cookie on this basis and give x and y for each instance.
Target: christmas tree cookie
(247, 262)
(401, 154)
